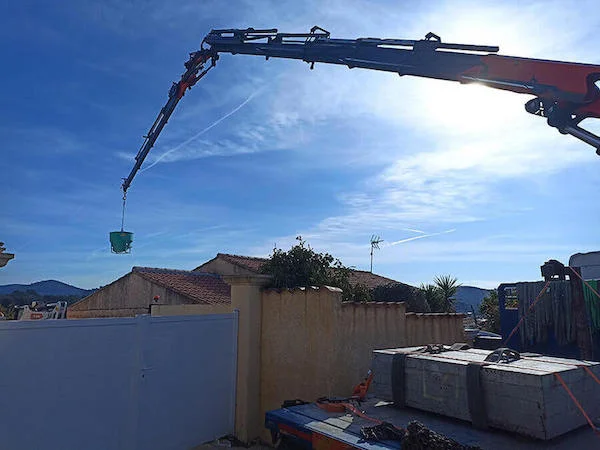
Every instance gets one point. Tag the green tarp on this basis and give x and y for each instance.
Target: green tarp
(592, 303)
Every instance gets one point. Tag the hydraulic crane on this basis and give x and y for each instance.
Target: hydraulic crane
(564, 93)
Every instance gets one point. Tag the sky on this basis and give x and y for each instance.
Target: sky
(456, 179)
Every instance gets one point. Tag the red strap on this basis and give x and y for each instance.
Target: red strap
(589, 421)
(591, 374)
(585, 282)
(520, 322)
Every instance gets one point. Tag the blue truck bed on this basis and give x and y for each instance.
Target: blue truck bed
(309, 426)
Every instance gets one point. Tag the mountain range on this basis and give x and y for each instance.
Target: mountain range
(467, 296)
(47, 287)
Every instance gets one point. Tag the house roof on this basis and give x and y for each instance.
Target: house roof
(201, 287)
(251, 263)
(371, 280)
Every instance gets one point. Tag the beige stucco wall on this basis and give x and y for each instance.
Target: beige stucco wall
(313, 345)
(298, 345)
(189, 310)
(362, 328)
(100, 313)
(424, 329)
(126, 297)
(246, 299)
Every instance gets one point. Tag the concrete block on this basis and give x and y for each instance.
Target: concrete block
(523, 396)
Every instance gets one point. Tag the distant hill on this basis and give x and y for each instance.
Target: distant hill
(48, 287)
(467, 296)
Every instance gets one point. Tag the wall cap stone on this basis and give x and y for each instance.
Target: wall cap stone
(374, 304)
(247, 280)
(303, 289)
(435, 314)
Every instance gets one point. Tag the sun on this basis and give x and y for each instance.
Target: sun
(465, 108)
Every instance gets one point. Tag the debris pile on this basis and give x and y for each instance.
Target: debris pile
(419, 437)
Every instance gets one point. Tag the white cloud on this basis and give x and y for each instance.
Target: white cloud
(473, 138)
(441, 149)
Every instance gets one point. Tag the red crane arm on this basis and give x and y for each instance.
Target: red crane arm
(564, 92)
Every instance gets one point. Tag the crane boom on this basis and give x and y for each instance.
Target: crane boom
(564, 93)
(195, 71)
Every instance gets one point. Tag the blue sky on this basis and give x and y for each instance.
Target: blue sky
(335, 155)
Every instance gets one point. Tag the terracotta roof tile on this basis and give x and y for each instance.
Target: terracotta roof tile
(371, 280)
(200, 287)
(248, 262)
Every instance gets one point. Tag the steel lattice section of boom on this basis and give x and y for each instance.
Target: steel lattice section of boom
(195, 71)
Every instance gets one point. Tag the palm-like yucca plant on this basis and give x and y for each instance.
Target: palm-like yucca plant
(433, 297)
(448, 285)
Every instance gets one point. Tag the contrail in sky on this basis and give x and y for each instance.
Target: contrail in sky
(402, 241)
(200, 133)
(415, 230)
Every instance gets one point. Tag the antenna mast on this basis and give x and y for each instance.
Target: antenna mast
(375, 241)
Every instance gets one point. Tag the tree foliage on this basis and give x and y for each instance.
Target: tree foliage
(490, 311)
(299, 266)
(9, 312)
(9, 302)
(302, 266)
(20, 298)
(398, 292)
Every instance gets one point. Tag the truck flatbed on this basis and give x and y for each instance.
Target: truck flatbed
(311, 426)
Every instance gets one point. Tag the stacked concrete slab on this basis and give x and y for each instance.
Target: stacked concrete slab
(523, 396)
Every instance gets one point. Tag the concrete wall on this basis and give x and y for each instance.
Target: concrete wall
(313, 345)
(105, 313)
(434, 329)
(189, 310)
(125, 297)
(362, 328)
(246, 301)
(298, 345)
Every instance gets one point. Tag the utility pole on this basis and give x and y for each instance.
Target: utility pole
(375, 241)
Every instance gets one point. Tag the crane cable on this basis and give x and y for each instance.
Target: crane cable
(123, 212)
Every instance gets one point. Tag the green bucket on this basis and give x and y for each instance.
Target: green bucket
(120, 241)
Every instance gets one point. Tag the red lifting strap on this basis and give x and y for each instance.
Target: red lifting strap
(587, 418)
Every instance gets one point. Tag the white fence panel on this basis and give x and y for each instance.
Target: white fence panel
(130, 383)
(188, 385)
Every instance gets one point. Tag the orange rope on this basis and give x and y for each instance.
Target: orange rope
(587, 418)
(520, 322)
(591, 374)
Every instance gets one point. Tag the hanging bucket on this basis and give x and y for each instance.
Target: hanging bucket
(120, 241)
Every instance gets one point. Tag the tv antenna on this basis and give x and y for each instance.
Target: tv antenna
(375, 241)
